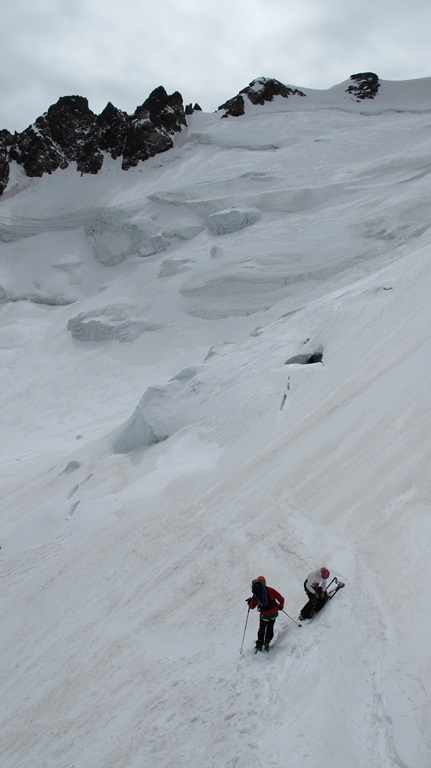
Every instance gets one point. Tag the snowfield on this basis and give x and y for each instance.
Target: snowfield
(164, 440)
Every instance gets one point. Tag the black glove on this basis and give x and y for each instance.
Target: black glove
(248, 601)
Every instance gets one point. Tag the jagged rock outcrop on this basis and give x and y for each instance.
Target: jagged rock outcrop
(258, 92)
(151, 126)
(189, 109)
(70, 132)
(234, 107)
(58, 137)
(112, 124)
(365, 86)
(6, 140)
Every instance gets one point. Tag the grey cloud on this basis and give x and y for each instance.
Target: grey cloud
(120, 52)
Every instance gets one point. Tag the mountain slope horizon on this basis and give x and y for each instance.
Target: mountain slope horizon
(69, 132)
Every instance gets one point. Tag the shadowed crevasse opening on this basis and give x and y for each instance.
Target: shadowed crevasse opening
(306, 359)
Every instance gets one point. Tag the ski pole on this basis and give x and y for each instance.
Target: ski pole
(240, 650)
(295, 622)
(334, 579)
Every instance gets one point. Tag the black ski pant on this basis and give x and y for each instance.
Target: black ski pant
(315, 602)
(266, 631)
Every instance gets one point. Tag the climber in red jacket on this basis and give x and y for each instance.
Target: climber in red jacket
(268, 602)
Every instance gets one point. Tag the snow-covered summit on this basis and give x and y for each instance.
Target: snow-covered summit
(363, 93)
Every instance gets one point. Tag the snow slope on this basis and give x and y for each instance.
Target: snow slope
(168, 302)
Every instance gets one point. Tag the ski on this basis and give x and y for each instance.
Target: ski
(334, 591)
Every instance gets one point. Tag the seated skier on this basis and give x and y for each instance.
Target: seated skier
(315, 588)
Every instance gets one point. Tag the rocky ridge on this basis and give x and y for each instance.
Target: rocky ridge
(364, 85)
(258, 92)
(70, 132)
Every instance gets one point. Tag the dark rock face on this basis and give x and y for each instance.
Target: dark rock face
(234, 107)
(70, 132)
(6, 140)
(68, 124)
(365, 86)
(189, 109)
(60, 136)
(36, 153)
(258, 92)
(165, 112)
(263, 90)
(112, 130)
(150, 127)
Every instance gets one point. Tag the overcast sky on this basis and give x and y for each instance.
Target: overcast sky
(119, 51)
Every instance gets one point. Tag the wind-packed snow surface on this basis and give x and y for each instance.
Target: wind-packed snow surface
(164, 441)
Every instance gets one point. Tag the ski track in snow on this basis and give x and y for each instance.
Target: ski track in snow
(124, 576)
